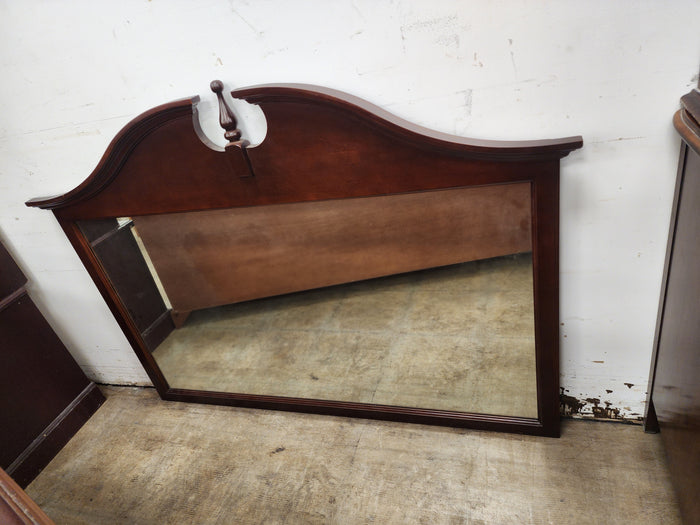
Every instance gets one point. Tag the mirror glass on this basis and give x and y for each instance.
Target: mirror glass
(418, 300)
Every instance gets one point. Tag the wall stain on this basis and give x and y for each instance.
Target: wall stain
(606, 412)
(569, 405)
(592, 408)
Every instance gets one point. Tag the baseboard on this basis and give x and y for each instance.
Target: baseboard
(48, 443)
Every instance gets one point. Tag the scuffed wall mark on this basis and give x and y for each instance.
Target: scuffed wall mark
(444, 30)
(616, 140)
(695, 78)
(373, 71)
(629, 385)
(451, 40)
(275, 51)
(433, 24)
(467, 101)
(477, 62)
(245, 21)
(599, 362)
(550, 79)
(512, 57)
(359, 13)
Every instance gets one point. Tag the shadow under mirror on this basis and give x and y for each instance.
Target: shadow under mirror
(295, 307)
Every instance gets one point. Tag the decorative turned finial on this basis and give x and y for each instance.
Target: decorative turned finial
(226, 117)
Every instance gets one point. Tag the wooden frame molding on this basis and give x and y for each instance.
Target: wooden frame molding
(321, 146)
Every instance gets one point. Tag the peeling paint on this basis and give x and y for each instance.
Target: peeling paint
(593, 408)
(569, 405)
(606, 412)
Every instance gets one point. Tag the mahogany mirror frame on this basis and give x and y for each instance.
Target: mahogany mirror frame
(161, 162)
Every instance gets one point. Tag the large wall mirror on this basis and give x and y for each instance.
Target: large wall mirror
(351, 264)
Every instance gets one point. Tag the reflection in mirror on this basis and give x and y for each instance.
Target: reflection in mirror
(419, 300)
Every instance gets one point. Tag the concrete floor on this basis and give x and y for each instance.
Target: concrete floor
(458, 338)
(144, 461)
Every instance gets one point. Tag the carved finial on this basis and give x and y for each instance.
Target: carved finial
(226, 117)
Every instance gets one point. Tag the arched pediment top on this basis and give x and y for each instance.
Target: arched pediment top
(118, 152)
(320, 144)
(349, 105)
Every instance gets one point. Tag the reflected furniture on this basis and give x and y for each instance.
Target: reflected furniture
(339, 191)
(44, 395)
(673, 402)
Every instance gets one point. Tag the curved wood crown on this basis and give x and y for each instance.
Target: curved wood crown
(687, 119)
(421, 136)
(320, 144)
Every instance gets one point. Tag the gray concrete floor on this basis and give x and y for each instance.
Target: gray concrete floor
(454, 338)
(140, 460)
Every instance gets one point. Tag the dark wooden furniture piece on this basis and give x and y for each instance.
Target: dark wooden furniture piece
(328, 158)
(673, 402)
(44, 395)
(121, 258)
(324, 243)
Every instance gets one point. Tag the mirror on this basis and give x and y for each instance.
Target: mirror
(351, 264)
(421, 300)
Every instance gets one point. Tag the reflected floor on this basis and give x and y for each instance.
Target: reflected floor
(453, 338)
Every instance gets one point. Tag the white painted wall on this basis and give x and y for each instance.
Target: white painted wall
(73, 73)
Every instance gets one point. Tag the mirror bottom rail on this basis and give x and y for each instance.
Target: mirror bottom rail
(421, 416)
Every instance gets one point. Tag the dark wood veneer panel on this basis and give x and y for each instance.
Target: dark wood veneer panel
(676, 389)
(673, 402)
(212, 258)
(38, 377)
(44, 395)
(121, 258)
(11, 277)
